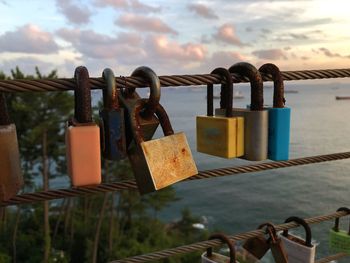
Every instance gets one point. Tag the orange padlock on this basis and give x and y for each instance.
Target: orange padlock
(83, 136)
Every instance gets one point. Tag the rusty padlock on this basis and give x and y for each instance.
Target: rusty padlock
(112, 123)
(11, 179)
(160, 162)
(257, 246)
(221, 136)
(210, 257)
(129, 97)
(83, 136)
(277, 249)
(256, 118)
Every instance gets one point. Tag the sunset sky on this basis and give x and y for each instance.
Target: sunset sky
(172, 37)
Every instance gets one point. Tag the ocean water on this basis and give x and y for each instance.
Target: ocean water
(235, 204)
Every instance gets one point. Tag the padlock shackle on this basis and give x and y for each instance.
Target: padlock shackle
(225, 240)
(110, 91)
(82, 96)
(336, 225)
(161, 115)
(4, 115)
(256, 92)
(151, 77)
(226, 97)
(270, 230)
(303, 223)
(278, 85)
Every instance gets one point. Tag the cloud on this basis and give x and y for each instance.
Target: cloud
(130, 5)
(328, 53)
(273, 54)
(203, 11)
(27, 65)
(223, 59)
(124, 47)
(145, 23)
(161, 48)
(28, 39)
(227, 34)
(76, 14)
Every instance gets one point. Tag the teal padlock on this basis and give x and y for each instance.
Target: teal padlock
(339, 240)
(279, 117)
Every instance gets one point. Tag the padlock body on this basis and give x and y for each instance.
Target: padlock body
(255, 132)
(11, 179)
(297, 251)
(220, 136)
(244, 256)
(161, 162)
(278, 251)
(148, 126)
(113, 142)
(339, 241)
(257, 246)
(83, 154)
(279, 134)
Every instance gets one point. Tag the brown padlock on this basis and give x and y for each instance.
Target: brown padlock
(277, 249)
(83, 136)
(11, 179)
(129, 97)
(210, 257)
(160, 162)
(257, 246)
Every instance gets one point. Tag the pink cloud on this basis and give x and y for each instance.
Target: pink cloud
(144, 23)
(131, 5)
(227, 34)
(75, 14)
(159, 47)
(203, 11)
(223, 59)
(123, 47)
(273, 54)
(28, 39)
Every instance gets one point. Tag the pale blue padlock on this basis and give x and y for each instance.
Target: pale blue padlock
(279, 117)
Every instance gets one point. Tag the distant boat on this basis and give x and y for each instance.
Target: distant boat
(342, 97)
(291, 91)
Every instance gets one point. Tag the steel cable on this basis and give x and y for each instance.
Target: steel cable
(214, 243)
(63, 84)
(131, 184)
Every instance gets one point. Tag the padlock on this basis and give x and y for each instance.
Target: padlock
(277, 248)
(129, 97)
(256, 118)
(298, 249)
(11, 179)
(211, 257)
(339, 240)
(257, 246)
(83, 136)
(112, 124)
(221, 136)
(279, 117)
(160, 162)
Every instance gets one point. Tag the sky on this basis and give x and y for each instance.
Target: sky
(172, 37)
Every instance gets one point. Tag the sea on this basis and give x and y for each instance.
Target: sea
(234, 204)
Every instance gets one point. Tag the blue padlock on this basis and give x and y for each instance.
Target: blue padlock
(113, 142)
(279, 117)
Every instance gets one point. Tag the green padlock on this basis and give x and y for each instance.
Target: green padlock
(339, 240)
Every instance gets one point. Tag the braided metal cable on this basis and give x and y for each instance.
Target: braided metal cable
(214, 243)
(63, 84)
(131, 184)
(331, 258)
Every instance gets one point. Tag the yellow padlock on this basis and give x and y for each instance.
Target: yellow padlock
(221, 136)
